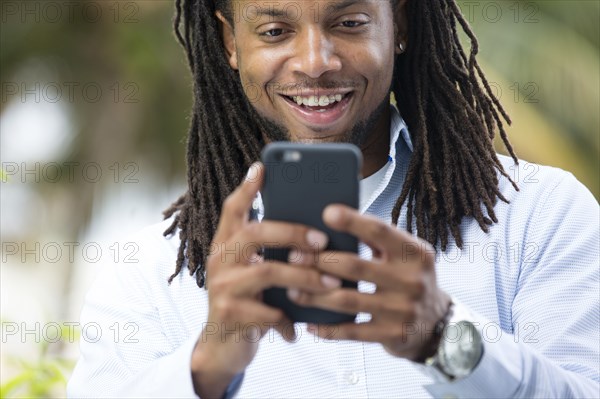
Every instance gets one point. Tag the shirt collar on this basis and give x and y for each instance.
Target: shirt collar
(398, 129)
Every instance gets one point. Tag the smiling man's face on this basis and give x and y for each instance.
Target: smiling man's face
(319, 70)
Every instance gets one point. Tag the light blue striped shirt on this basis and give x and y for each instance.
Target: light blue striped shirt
(532, 282)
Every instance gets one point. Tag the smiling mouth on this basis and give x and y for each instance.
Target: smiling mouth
(319, 112)
(318, 104)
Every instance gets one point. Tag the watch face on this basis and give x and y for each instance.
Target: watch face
(460, 349)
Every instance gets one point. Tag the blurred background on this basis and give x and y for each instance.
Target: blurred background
(93, 118)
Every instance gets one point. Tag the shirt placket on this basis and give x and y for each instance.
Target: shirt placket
(351, 373)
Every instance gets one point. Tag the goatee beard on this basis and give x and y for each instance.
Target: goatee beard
(273, 131)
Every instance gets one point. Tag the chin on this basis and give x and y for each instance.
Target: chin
(316, 140)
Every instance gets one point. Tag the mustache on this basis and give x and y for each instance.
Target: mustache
(312, 85)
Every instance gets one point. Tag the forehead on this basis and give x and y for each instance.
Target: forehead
(249, 10)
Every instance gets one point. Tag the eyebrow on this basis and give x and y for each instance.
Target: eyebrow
(270, 12)
(341, 5)
(277, 13)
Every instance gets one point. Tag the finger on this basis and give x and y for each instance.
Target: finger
(235, 315)
(368, 229)
(302, 258)
(235, 211)
(286, 330)
(366, 332)
(348, 300)
(351, 267)
(269, 233)
(410, 282)
(376, 233)
(259, 315)
(253, 280)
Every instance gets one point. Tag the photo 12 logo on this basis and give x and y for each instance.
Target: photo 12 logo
(54, 12)
(69, 252)
(71, 92)
(69, 172)
(493, 12)
(68, 331)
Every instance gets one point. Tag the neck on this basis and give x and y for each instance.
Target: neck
(376, 148)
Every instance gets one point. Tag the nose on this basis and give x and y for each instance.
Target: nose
(315, 54)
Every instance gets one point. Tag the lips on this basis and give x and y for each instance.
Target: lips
(320, 116)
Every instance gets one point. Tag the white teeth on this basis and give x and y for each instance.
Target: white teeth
(314, 101)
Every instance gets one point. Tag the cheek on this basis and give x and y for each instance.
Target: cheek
(256, 73)
(377, 66)
(252, 84)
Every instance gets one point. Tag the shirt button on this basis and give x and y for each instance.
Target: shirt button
(352, 377)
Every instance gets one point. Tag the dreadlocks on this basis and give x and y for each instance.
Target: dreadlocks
(451, 118)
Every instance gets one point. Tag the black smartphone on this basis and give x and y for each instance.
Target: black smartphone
(300, 181)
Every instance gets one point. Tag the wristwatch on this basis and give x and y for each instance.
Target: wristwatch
(460, 347)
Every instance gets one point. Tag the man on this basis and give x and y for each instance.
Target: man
(490, 298)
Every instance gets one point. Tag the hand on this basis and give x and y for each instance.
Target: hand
(236, 277)
(407, 303)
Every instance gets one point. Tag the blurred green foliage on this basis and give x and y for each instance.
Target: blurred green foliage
(544, 58)
(554, 45)
(47, 375)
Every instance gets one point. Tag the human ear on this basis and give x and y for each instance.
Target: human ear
(228, 39)
(401, 26)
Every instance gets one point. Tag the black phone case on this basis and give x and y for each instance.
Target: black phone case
(297, 191)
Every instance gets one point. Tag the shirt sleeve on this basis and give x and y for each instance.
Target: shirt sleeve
(554, 348)
(124, 351)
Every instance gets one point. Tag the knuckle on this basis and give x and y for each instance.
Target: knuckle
(378, 230)
(278, 316)
(345, 219)
(419, 287)
(210, 263)
(410, 313)
(427, 254)
(351, 334)
(396, 332)
(310, 279)
(303, 299)
(386, 306)
(224, 309)
(253, 229)
(355, 268)
(229, 205)
(429, 259)
(218, 284)
(348, 301)
(295, 237)
(264, 271)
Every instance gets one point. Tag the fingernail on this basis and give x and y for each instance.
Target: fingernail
(252, 172)
(311, 327)
(315, 237)
(293, 294)
(295, 256)
(330, 281)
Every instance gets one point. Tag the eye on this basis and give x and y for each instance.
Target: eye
(351, 24)
(274, 35)
(273, 32)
